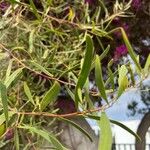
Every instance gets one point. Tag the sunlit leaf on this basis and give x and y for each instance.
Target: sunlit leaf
(105, 140)
(130, 49)
(34, 9)
(3, 96)
(31, 41)
(99, 78)
(50, 95)
(16, 139)
(118, 124)
(3, 119)
(86, 67)
(2, 129)
(46, 135)
(9, 69)
(42, 69)
(12, 77)
(28, 93)
(122, 80)
(125, 128)
(147, 65)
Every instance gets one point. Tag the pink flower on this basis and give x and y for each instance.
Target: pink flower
(136, 4)
(3, 6)
(120, 51)
(89, 1)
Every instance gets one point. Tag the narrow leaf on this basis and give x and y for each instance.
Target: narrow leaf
(34, 9)
(125, 128)
(50, 95)
(130, 49)
(3, 96)
(105, 141)
(78, 127)
(122, 80)
(31, 41)
(42, 69)
(147, 65)
(9, 69)
(49, 137)
(103, 55)
(3, 119)
(28, 93)
(12, 77)
(2, 129)
(99, 78)
(118, 124)
(86, 67)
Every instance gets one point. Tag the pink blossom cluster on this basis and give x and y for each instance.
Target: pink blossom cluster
(120, 51)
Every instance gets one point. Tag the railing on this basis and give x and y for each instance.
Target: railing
(127, 147)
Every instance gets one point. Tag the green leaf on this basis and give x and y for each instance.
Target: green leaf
(130, 49)
(42, 69)
(99, 78)
(31, 41)
(118, 124)
(28, 93)
(9, 69)
(147, 65)
(105, 140)
(50, 95)
(2, 129)
(111, 75)
(3, 96)
(34, 9)
(78, 127)
(122, 80)
(46, 135)
(12, 77)
(86, 67)
(16, 140)
(3, 119)
(125, 128)
(103, 55)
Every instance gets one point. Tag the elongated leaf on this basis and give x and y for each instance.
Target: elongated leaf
(50, 95)
(105, 141)
(111, 75)
(99, 78)
(3, 96)
(131, 74)
(28, 93)
(2, 129)
(118, 124)
(34, 9)
(12, 77)
(31, 41)
(9, 69)
(3, 119)
(103, 55)
(86, 67)
(16, 139)
(130, 49)
(122, 80)
(78, 127)
(125, 128)
(42, 69)
(147, 65)
(49, 137)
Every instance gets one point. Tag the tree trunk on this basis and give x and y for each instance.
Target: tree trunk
(141, 131)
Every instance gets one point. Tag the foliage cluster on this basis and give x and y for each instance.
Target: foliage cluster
(52, 48)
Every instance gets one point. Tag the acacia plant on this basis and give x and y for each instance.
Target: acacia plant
(49, 48)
